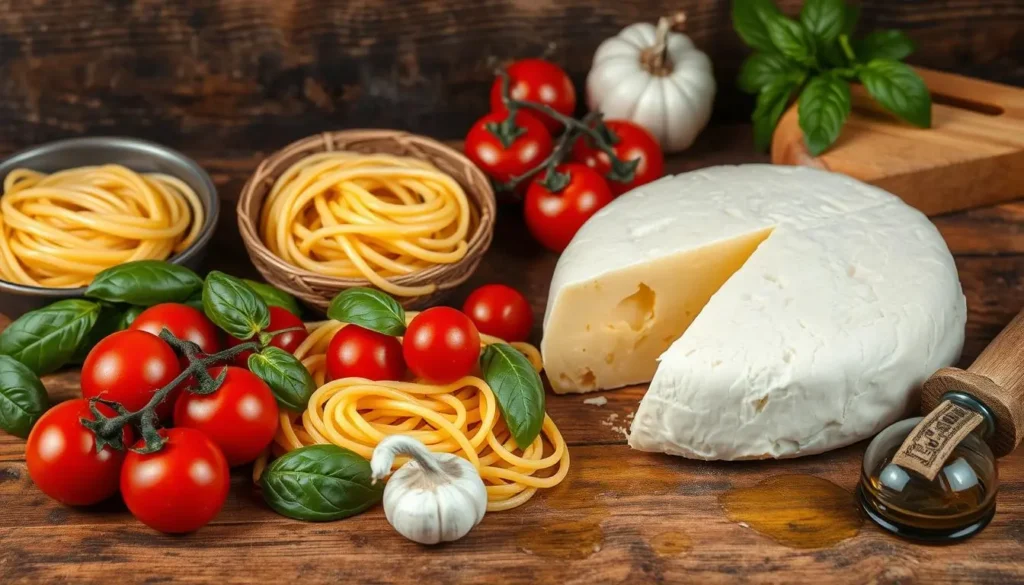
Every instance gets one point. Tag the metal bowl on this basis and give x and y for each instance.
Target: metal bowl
(138, 155)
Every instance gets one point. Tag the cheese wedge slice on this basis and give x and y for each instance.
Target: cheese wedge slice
(776, 311)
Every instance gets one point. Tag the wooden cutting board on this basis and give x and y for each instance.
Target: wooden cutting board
(971, 157)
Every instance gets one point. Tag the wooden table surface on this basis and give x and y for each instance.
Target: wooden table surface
(621, 516)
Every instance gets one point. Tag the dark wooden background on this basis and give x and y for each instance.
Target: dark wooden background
(228, 81)
(230, 76)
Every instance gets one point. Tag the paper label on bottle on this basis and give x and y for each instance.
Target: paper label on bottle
(930, 443)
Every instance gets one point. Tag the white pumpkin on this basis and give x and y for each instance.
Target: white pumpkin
(656, 78)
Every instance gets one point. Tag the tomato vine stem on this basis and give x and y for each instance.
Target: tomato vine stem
(591, 126)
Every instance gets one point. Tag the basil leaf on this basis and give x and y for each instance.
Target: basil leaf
(791, 38)
(771, 102)
(146, 282)
(823, 108)
(108, 321)
(233, 306)
(22, 397)
(288, 379)
(46, 339)
(760, 69)
(824, 19)
(883, 44)
(368, 308)
(748, 18)
(320, 483)
(275, 297)
(129, 316)
(518, 388)
(195, 300)
(898, 89)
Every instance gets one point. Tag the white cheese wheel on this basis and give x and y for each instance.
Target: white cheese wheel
(776, 311)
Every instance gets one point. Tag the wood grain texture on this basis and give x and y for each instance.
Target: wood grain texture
(237, 75)
(620, 517)
(972, 156)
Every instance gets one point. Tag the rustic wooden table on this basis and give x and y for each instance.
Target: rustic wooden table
(621, 516)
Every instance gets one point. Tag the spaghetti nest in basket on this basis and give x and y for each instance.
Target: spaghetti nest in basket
(370, 217)
(461, 418)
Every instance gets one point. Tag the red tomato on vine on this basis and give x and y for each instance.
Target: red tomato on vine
(524, 148)
(631, 142)
(554, 217)
(185, 322)
(181, 487)
(129, 367)
(62, 459)
(540, 81)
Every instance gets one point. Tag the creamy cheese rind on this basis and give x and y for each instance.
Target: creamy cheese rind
(818, 337)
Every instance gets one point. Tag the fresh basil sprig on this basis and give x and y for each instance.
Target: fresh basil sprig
(816, 58)
(275, 297)
(145, 282)
(518, 388)
(288, 379)
(320, 483)
(46, 339)
(368, 308)
(110, 320)
(233, 306)
(22, 397)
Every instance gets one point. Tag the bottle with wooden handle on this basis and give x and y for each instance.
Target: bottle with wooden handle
(934, 478)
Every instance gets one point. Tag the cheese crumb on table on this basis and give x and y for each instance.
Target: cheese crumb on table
(596, 401)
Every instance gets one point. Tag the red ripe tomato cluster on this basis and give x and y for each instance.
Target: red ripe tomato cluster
(181, 487)
(440, 344)
(509, 153)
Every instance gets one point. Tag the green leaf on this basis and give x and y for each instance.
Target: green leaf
(22, 397)
(129, 316)
(898, 89)
(370, 309)
(320, 483)
(288, 379)
(823, 108)
(760, 69)
(46, 339)
(108, 321)
(791, 38)
(275, 297)
(748, 18)
(518, 388)
(771, 102)
(233, 306)
(824, 19)
(883, 44)
(146, 283)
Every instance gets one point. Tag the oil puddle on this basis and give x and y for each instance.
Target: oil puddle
(567, 540)
(801, 511)
(670, 544)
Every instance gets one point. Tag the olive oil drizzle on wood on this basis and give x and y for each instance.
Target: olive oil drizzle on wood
(801, 511)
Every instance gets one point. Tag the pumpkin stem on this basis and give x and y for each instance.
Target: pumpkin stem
(655, 58)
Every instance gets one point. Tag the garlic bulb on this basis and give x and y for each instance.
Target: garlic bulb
(655, 78)
(436, 497)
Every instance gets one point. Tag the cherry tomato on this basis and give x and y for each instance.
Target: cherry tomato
(355, 352)
(441, 345)
(537, 80)
(129, 367)
(500, 311)
(633, 142)
(502, 163)
(240, 416)
(181, 487)
(280, 319)
(185, 322)
(554, 218)
(62, 458)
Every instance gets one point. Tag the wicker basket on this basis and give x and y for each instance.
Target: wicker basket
(317, 290)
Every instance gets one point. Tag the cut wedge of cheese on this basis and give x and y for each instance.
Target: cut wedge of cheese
(776, 311)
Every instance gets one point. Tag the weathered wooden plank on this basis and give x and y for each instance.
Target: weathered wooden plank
(242, 74)
(621, 517)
